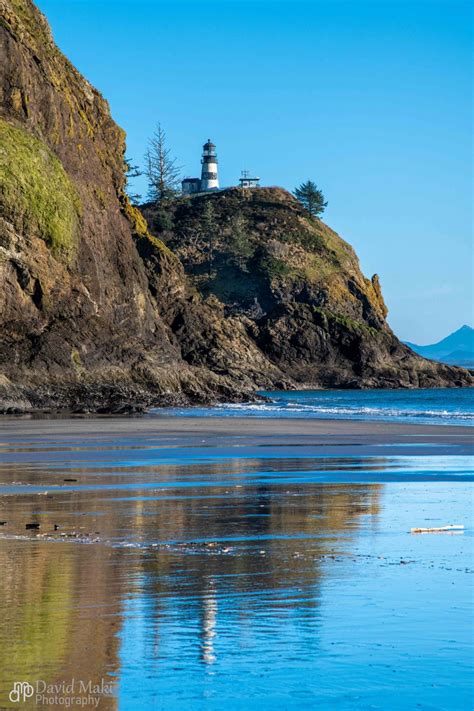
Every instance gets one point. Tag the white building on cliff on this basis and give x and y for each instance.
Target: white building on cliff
(209, 176)
(209, 180)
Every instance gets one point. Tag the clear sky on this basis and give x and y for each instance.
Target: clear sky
(372, 99)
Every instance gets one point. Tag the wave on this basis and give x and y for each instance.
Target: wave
(350, 411)
(433, 407)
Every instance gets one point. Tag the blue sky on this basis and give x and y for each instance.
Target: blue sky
(371, 99)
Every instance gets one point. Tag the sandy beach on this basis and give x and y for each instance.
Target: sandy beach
(391, 451)
(196, 562)
(252, 429)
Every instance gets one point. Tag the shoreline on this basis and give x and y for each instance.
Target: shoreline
(250, 428)
(138, 403)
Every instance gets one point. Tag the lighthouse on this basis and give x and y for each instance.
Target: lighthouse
(209, 178)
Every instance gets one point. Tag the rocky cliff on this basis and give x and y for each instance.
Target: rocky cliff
(82, 327)
(98, 315)
(296, 287)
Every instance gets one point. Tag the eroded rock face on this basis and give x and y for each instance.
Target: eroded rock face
(75, 297)
(296, 288)
(81, 326)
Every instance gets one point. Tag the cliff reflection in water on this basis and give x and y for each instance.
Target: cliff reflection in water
(152, 569)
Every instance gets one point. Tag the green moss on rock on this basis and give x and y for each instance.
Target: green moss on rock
(36, 193)
(134, 216)
(329, 317)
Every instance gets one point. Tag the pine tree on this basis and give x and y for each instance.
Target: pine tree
(239, 243)
(209, 228)
(162, 172)
(132, 171)
(311, 198)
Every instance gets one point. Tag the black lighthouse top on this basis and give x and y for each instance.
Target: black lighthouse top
(209, 152)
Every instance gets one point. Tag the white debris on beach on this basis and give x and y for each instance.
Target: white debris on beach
(451, 528)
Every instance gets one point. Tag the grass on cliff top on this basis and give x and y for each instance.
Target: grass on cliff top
(271, 214)
(36, 193)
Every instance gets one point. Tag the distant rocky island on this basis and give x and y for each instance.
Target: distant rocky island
(455, 349)
(105, 308)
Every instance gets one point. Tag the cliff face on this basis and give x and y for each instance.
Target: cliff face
(81, 326)
(98, 315)
(297, 289)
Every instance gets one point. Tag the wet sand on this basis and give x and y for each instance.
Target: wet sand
(236, 563)
(331, 432)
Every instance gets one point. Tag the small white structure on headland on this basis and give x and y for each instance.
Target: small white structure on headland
(189, 186)
(209, 180)
(209, 177)
(247, 182)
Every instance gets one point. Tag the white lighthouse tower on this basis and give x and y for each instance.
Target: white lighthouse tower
(209, 178)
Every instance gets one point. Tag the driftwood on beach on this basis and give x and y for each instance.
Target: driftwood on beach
(451, 528)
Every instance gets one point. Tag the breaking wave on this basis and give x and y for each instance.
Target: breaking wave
(421, 406)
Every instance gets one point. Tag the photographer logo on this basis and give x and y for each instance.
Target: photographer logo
(75, 693)
(21, 691)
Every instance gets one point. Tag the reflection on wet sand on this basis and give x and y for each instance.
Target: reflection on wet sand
(200, 542)
(60, 613)
(156, 566)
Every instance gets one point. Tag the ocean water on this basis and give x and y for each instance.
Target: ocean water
(447, 406)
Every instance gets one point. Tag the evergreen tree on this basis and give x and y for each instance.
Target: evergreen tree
(239, 243)
(162, 172)
(311, 198)
(132, 171)
(209, 229)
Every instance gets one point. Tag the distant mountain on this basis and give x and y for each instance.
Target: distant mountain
(455, 349)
